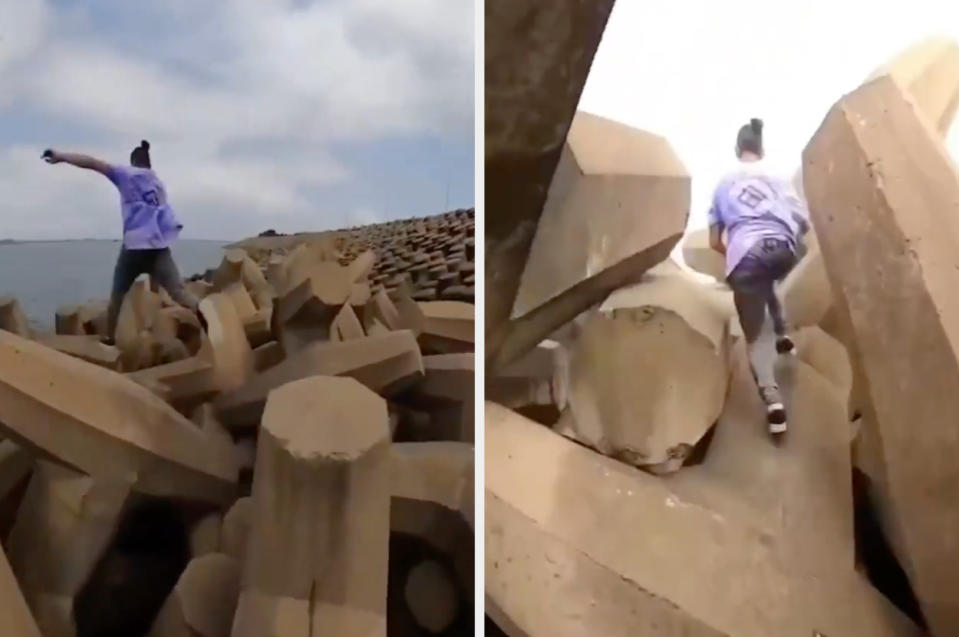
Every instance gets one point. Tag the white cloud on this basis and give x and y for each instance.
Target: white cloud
(294, 77)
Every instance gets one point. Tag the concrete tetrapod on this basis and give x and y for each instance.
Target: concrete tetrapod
(621, 552)
(649, 372)
(106, 425)
(63, 527)
(384, 364)
(204, 600)
(317, 556)
(889, 257)
(605, 167)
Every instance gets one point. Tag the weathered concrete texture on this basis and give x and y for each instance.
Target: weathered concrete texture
(305, 314)
(537, 60)
(605, 168)
(86, 348)
(15, 617)
(447, 392)
(106, 425)
(184, 384)
(346, 326)
(527, 381)
(555, 540)
(12, 318)
(438, 472)
(447, 327)
(317, 562)
(230, 351)
(649, 373)
(385, 364)
(236, 529)
(63, 527)
(204, 600)
(134, 323)
(258, 327)
(891, 260)
(929, 72)
(698, 255)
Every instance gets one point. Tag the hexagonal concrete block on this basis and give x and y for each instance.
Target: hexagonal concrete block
(616, 191)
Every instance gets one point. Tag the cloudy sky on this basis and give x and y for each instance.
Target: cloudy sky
(286, 114)
(696, 70)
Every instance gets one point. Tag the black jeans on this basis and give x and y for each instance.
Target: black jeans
(161, 268)
(753, 282)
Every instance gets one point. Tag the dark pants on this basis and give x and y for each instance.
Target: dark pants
(753, 283)
(162, 270)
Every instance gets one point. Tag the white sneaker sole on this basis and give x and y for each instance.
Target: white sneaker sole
(776, 427)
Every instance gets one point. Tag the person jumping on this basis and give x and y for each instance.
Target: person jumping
(765, 222)
(150, 227)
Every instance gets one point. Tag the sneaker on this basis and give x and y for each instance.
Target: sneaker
(785, 345)
(775, 409)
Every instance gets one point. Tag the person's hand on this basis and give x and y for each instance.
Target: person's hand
(51, 156)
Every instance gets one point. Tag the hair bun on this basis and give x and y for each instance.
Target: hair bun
(757, 125)
(145, 145)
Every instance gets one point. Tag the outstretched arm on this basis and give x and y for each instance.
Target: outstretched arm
(77, 159)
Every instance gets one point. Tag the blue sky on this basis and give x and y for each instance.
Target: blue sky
(286, 114)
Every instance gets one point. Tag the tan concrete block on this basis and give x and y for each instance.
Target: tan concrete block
(361, 267)
(230, 351)
(241, 299)
(698, 255)
(203, 601)
(334, 467)
(555, 539)
(430, 594)
(447, 327)
(63, 527)
(671, 332)
(106, 425)
(184, 384)
(267, 355)
(605, 167)
(380, 309)
(346, 326)
(386, 364)
(929, 72)
(305, 313)
(86, 348)
(258, 327)
(889, 262)
(67, 320)
(12, 318)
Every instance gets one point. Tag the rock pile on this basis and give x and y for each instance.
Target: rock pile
(653, 502)
(434, 256)
(302, 466)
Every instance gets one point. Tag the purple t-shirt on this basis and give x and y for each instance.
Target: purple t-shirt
(148, 220)
(752, 205)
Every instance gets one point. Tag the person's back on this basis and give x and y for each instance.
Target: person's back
(148, 220)
(752, 204)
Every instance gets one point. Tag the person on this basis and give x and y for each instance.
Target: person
(765, 222)
(150, 227)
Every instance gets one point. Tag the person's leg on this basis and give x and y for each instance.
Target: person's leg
(752, 288)
(129, 266)
(166, 274)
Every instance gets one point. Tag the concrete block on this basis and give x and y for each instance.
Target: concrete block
(889, 258)
(106, 425)
(386, 364)
(15, 615)
(12, 318)
(447, 327)
(334, 467)
(86, 348)
(203, 601)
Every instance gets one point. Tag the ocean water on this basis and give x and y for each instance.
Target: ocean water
(44, 276)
